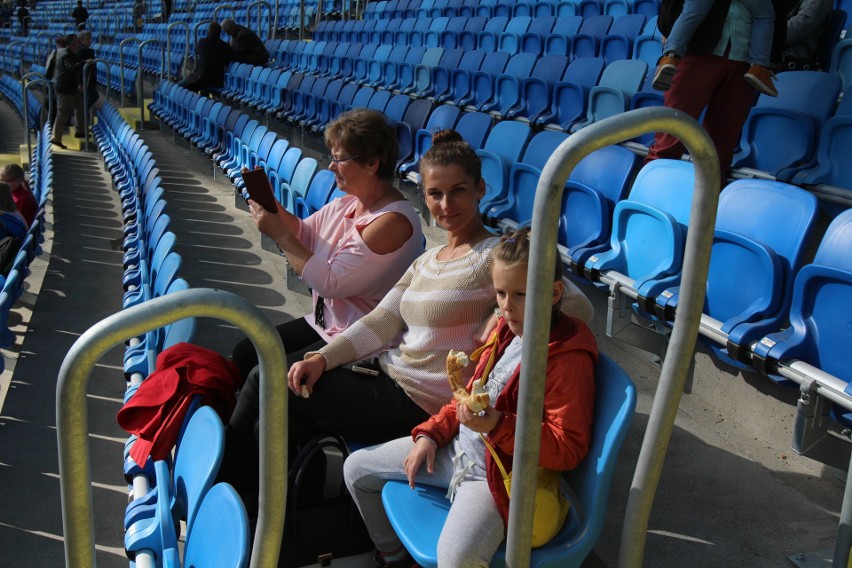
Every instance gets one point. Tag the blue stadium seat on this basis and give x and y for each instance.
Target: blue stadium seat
(753, 263)
(414, 119)
(443, 117)
(649, 229)
(833, 166)
(516, 206)
(297, 187)
(468, 38)
(460, 77)
(481, 81)
(559, 42)
(596, 184)
(611, 96)
(841, 62)
(532, 41)
(418, 516)
(537, 89)
(322, 185)
(506, 90)
(505, 145)
(571, 93)
(618, 42)
(805, 101)
(284, 171)
(820, 332)
(586, 42)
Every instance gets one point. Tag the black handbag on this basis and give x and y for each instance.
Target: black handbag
(320, 526)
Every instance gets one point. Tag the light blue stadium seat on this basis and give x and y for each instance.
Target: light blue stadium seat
(220, 536)
(833, 166)
(820, 332)
(459, 80)
(418, 516)
(537, 90)
(611, 96)
(753, 262)
(298, 185)
(649, 229)
(443, 117)
(618, 42)
(805, 101)
(571, 93)
(179, 493)
(595, 185)
(516, 206)
(318, 194)
(504, 146)
(481, 82)
(506, 90)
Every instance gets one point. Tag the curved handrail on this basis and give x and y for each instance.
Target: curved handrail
(140, 93)
(539, 282)
(87, 113)
(185, 26)
(260, 4)
(121, 63)
(72, 412)
(118, 25)
(39, 79)
(224, 7)
(275, 20)
(39, 35)
(20, 55)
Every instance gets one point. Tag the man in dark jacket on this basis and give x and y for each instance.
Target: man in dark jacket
(50, 73)
(68, 88)
(247, 47)
(80, 14)
(212, 55)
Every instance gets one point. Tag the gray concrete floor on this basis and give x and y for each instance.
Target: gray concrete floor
(732, 492)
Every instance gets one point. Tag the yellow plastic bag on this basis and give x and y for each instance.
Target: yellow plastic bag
(551, 506)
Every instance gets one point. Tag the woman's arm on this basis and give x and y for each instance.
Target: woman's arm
(282, 227)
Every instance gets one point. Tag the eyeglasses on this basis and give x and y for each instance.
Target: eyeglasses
(338, 161)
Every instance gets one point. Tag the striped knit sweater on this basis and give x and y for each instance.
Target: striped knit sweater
(436, 306)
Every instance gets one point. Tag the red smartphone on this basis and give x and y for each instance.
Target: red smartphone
(259, 189)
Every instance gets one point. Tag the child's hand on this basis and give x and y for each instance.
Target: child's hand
(305, 374)
(483, 422)
(423, 449)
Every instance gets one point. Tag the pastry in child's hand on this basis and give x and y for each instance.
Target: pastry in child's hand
(305, 392)
(477, 400)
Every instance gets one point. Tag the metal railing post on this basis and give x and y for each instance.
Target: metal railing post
(25, 84)
(121, 64)
(260, 4)
(224, 7)
(195, 31)
(140, 78)
(539, 284)
(275, 20)
(72, 412)
(171, 26)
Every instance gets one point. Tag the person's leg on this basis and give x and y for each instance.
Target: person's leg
(694, 12)
(474, 528)
(728, 110)
(296, 335)
(366, 472)
(762, 28)
(65, 106)
(691, 89)
(79, 123)
(361, 408)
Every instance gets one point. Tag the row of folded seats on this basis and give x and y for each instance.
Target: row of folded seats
(10, 88)
(388, 9)
(15, 274)
(167, 491)
(550, 92)
(606, 219)
(577, 36)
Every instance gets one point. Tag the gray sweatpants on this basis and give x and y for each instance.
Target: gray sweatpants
(474, 527)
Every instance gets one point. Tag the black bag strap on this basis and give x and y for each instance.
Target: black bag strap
(297, 471)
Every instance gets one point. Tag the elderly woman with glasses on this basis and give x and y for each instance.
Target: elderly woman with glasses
(25, 201)
(354, 249)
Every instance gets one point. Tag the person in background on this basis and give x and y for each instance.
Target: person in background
(68, 89)
(91, 88)
(11, 220)
(212, 56)
(247, 46)
(25, 201)
(50, 73)
(24, 18)
(80, 15)
(806, 24)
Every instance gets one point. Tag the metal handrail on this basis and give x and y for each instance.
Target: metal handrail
(224, 7)
(121, 63)
(39, 79)
(260, 4)
(546, 209)
(140, 93)
(169, 28)
(87, 113)
(301, 20)
(20, 56)
(72, 412)
(275, 20)
(39, 35)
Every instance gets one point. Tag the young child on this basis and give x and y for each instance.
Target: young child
(448, 451)
(760, 47)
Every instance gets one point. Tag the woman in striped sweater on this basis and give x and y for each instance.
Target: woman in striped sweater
(440, 303)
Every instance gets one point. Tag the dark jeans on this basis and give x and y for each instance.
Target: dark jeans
(363, 409)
